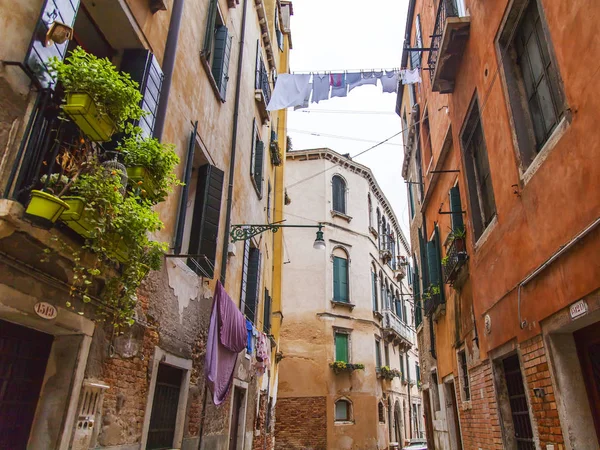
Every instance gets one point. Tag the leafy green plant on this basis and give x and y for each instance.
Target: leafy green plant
(389, 374)
(114, 93)
(342, 366)
(445, 260)
(434, 289)
(459, 233)
(119, 225)
(158, 159)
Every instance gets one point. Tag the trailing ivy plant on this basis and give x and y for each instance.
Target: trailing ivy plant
(114, 93)
(118, 236)
(158, 159)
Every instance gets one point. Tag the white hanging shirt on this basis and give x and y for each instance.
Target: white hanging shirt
(290, 90)
(320, 88)
(389, 82)
(410, 76)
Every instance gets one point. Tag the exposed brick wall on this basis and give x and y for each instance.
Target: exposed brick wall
(537, 375)
(480, 425)
(301, 423)
(264, 439)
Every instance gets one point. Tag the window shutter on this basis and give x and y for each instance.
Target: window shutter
(424, 266)
(258, 164)
(402, 366)
(436, 241)
(210, 27)
(253, 286)
(244, 286)
(338, 188)
(341, 347)
(259, 64)
(337, 287)
(143, 67)
(220, 65)
(415, 57)
(456, 209)
(38, 55)
(374, 288)
(187, 175)
(205, 222)
(267, 313)
(344, 288)
(433, 263)
(253, 152)
(377, 354)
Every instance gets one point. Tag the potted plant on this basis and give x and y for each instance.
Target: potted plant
(458, 239)
(150, 165)
(342, 366)
(44, 208)
(99, 99)
(445, 260)
(389, 374)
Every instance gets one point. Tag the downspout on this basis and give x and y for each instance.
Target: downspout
(236, 110)
(554, 257)
(168, 67)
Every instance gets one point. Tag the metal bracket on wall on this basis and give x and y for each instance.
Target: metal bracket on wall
(449, 212)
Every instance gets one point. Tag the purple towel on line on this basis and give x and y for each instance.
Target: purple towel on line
(226, 338)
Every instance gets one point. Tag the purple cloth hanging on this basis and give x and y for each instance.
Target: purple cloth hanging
(226, 338)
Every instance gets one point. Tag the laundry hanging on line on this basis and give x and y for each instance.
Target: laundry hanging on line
(297, 91)
(410, 76)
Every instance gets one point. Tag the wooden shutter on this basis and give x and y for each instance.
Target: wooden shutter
(38, 55)
(210, 28)
(220, 64)
(423, 252)
(267, 313)
(432, 263)
(143, 67)
(374, 288)
(438, 261)
(377, 354)
(258, 73)
(253, 286)
(259, 153)
(205, 222)
(244, 285)
(402, 366)
(415, 57)
(187, 175)
(456, 209)
(341, 347)
(340, 279)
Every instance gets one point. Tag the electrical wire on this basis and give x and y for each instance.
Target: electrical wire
(343, 111)
(335, 136)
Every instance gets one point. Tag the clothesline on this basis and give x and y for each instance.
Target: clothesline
(329, 71)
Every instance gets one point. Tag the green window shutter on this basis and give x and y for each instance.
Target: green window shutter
(253, 151)
(374, 288)
(259, 153)
(377, 354)
(245, 264)
(456, 209)
(36, 59)
(205, 221)
(433, 263)
(423, 252)
(259, 65)
(338, 194)
(220, 64)
(436, 240)
(341, 347)
(412, 201)
(253, 285)
(267, 313)
(210, 27)
(340, 279)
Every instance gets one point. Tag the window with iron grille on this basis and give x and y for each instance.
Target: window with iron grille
(163, 418)
(479, 177)
(250, 281)
(534, 89)
(464, 375)
(381, 412)
(257, 160)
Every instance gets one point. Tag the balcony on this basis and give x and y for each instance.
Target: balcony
(432, 303)
(397, 331)
(262, 89)
(448, 42)
(399, 270)
(456, 257)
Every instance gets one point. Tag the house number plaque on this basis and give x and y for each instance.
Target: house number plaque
(578, 309)
(45, 310)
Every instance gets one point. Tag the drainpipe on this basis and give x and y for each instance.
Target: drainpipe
(168, 67)
(236, 110)
(554, 257)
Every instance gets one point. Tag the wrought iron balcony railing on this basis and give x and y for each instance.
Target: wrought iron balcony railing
(456, 257)
(262, 82)
(446, 8)
(392, 323)
(432, 302)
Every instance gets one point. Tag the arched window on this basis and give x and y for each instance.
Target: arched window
(370, 211)
(341, 288)
(343, 410)
(374, 288)
(383, 234)
(381, 412)
(339, 194)
(382, 289)
(398, 305)
(378, 228)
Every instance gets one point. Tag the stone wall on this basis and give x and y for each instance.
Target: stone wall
(301, 423)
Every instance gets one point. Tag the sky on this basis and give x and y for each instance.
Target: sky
(330, 35)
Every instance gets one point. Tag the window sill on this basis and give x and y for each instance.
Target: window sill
(486, 233)
(550, 145)
(374, 232)
(211, 78)
(377, 315)
(466, 405)
(343, 304)
(342, 215)
(344, 422)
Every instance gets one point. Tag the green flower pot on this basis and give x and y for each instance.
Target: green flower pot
(82, 110)
(140, 173)
(44, 209)
(77, 218)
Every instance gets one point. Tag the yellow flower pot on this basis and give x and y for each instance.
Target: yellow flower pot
(139, 173)
(82, 110)
(44, 209)
(77, 218)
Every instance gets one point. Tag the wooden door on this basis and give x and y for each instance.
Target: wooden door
(23, 357)
(238, 396)
(587, 341)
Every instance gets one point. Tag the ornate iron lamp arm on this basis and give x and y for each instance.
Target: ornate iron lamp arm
(243, 232)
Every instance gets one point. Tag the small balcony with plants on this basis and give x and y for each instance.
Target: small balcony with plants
(86, 183)
(433, 299)
(456, 256)
(396, 331)
(448, 42)
(339, 367)
(275, 151)
(262, 88)
(388, 374)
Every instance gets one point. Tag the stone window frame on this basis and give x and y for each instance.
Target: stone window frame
(348, 332)
(464, 387)
(185, 365)
(346, 249)
(350, 417)
(514, 92)
(380, 412)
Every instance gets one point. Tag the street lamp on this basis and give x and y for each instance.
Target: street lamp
(244, 232)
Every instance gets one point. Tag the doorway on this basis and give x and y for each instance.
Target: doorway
(163, 419)
(521, 422)
(236, 435)
(428, 420)
(452, 415)
(23, 357)
(587, 341)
